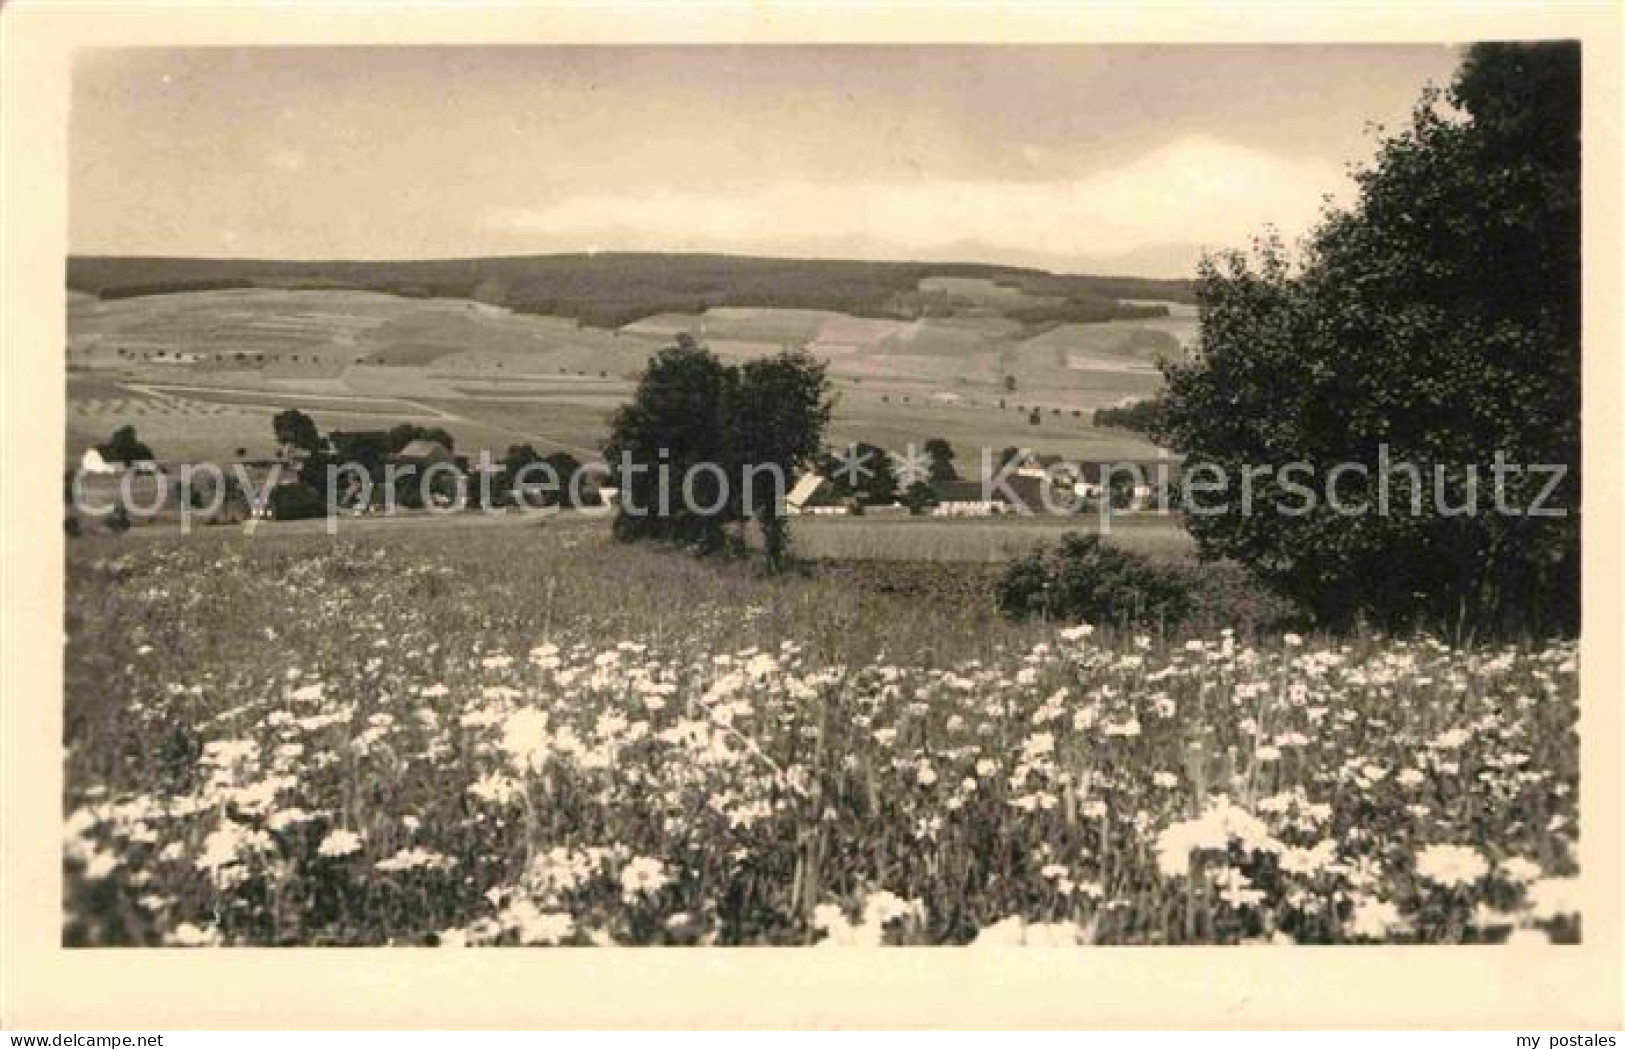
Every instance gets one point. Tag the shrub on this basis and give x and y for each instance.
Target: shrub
(1228, 594)
(1140, 416)
(295, 502)
(1084, 579)
(919, 498)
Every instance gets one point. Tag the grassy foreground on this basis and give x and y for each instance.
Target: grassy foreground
(877, 537)
(533, 735)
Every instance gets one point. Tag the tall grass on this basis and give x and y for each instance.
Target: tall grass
(875, 537)
(533, 735)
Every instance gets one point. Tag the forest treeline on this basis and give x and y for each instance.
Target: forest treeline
(611, 289)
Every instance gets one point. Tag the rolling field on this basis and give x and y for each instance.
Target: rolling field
(284, 332)
(278, 401)
(200, 373)
(533, 735)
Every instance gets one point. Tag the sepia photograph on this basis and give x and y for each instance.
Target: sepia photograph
(580, 509)
(815, 494)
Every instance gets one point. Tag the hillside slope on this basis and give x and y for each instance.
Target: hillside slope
(613, 289)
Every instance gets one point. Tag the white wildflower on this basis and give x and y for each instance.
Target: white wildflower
(1451, 866)
(339, 842)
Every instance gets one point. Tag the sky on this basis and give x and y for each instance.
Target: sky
(1077, 158)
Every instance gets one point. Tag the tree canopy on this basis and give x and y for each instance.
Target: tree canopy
(862, 471)
(698, 427)
(1435, 321)
(296, 430)
(941, 454)
(405, 433)
(124, 447)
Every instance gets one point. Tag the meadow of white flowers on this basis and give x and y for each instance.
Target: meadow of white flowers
(551, 741)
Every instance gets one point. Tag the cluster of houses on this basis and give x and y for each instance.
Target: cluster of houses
(1038, 484)
(481, 472)
(143, 483)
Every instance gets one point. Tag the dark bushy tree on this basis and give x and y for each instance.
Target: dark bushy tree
(1140, 416)
(296, 430)
(919, 497)
(875, 481)
(1439, 316)
(516, 459)
(942, 460)
(295, 502)
(565, 468)
(1083, 579)
(404, 434)
(776, 419)
(674, 423)
(695, 417)
(1120, 492)
(124, 447)
(562, 467)
(362, 448)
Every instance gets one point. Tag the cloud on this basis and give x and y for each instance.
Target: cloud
(1196, 190)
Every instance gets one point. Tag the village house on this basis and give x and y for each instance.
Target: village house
(1037, 472)
(814, 494)
(1039, 466)
(964, 499)
(1029, 493)
(93, 463)
(423, 454)
(1083, 482)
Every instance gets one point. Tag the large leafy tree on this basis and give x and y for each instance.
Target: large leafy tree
(776, 420)
(672, 427)
(1437, 318)
(694, 426)
(296, 431)
(862, 471)
(566, 467)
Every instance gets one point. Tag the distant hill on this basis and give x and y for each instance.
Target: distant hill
(608, 290)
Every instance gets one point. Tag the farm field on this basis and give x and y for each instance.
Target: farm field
(219, 363)
(186, 423)
(278, 401)
(533, 735)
